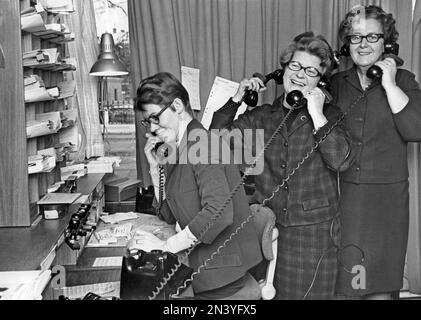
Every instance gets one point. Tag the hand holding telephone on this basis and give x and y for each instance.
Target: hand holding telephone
(251, 97)
(161, 152)
(391, 50)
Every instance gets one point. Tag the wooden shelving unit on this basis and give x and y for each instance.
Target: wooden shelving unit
(19, 192)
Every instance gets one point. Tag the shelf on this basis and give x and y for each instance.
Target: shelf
(28, 247)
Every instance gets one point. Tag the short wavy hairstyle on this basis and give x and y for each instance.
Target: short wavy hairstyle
(369, 12)
(315, 45)
(161, 89)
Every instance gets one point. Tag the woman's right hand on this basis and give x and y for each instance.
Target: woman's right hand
(149, 152)
(254, 84)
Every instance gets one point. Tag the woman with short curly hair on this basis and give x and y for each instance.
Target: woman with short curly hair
(374, 191)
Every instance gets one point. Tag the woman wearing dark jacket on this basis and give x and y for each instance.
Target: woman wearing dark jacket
(306, 207)
(194, 195)
(374, 191)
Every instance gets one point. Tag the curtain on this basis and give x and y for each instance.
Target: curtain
(85, 49)
(414, 153)
(232, 39)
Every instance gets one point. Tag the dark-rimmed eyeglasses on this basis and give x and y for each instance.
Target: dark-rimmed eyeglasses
(310, 71)
(154, 118)
(358, 38)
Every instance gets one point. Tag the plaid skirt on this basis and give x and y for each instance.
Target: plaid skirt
(307, 263)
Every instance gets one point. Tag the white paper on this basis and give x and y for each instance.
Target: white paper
(108, 262)
(104, 289)
(190, 80)
(23, 285)
(119, 216)
(221, 91)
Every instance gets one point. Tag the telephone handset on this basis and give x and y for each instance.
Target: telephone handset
(391, 50)
(296, 98)
(251, 97)
(161, 152)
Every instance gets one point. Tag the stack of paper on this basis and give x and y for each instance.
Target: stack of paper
(67, 89)
(118, 217)
(23, 285)
(35, 90)
(40, 163)
(103, 165)
(44, 123)
(58, 6)
(32, 19)
(41, 58)
(77, 170)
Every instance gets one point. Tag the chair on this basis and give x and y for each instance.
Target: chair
(264, 221)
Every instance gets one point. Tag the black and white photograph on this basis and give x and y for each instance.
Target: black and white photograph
(215, 156)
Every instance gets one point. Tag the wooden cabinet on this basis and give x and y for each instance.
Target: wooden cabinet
(20, 191)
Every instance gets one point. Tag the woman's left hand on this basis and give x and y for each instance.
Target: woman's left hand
(146, 241)
(389, 69)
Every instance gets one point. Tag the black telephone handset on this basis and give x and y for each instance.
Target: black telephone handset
(161, 152)
(391, 50)
(251, 97)
(296, 98)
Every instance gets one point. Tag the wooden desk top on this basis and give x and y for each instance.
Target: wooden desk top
(24, 248)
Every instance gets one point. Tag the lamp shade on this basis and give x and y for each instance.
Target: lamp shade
(108, 64)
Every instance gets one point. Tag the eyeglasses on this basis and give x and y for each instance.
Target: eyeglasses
(371, 37)
(310, 71)
(154, 118)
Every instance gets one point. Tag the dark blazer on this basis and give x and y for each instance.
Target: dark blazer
(381, 137)
(194, 195)
(310, 196)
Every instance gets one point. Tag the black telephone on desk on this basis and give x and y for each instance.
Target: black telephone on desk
(142, 273)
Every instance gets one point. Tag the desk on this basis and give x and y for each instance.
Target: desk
(25, 248)
(84, 273)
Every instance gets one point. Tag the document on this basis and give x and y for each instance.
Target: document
(23, 285)
(190, 80)
(104, 289)
(59, 198)
(32, 19)
(221, 91)
(118, 217)
(108, 262)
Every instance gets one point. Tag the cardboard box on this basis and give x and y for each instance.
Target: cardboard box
(121, 189)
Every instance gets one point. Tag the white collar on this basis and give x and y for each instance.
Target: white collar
(182, 130)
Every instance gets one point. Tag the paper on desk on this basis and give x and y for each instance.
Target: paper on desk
(58, 198)
(23, 285)
(104, 289)
(108, 262)
(221, 91)
(119, 216)
(190, 80)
